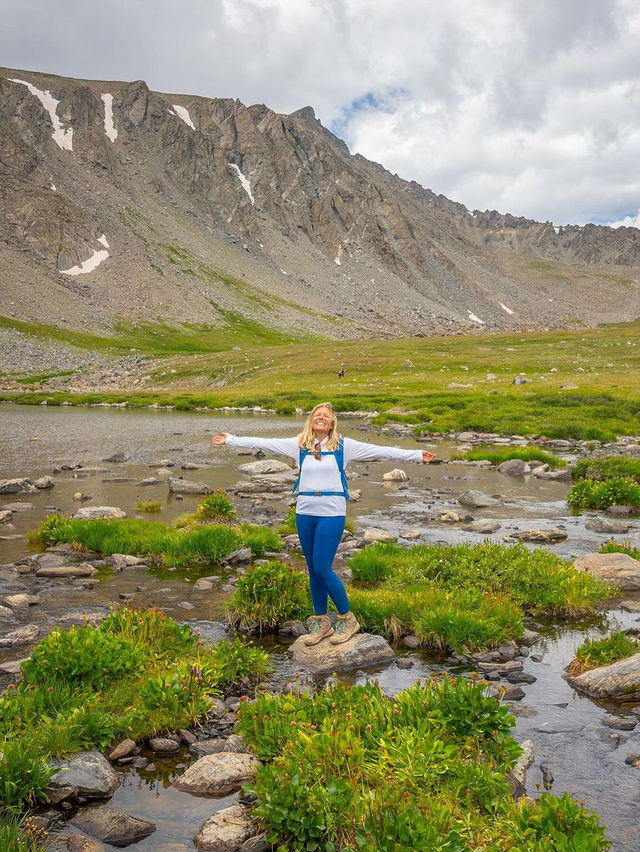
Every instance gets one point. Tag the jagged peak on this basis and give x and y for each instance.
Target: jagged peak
(306, 113)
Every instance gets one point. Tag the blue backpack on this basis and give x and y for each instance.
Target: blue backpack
(339, 454)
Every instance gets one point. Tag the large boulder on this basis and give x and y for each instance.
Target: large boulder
(225, 831)
(93, 512)
(604, 525)
(81, 569)
(89, 773)
(618, 568)
(620, 681)
(17, 486)
(217, 774)
(374, 534)
(363, 649)
(113, 826)
(514, 467)
(548, 536)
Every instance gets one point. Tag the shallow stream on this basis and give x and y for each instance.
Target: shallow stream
(585, 757)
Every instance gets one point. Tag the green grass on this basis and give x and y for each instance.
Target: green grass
(592, 494)
(199, 545)
(608, 467)
(623, 547)
(497, 455)
(349, 769)
(602, 652)
(149, 506)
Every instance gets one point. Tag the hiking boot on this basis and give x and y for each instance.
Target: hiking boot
(344, 629)
(319, 629)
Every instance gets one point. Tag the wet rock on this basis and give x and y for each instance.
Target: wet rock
(523, 763)
(485, 527)
(90, 773)
(450, 518)
(626, 723)
(118, 458)
(521, 677)
(618, 568)
(529, 637)
(82, 843)
(20, 600)
(44, 483)
(120, 561)
(239, 557)
(164, 745)
(18, 507)
(361, 650)
(83, 569)
(5, 516)
(620, 681)
(124, 749)
(410, 535)
(621, 510)
(632, 759)
(90, 512)
(502, 668)
(293, 628)
(161, 463)
(265, 466)
(225, 831)
(404, 663)
(149, 481)
(374, 534)
(563, 475)
(514, 467)
(21, 636)
(508, 650)
(630, 606)
(548, 536)
(395, 475)
(17, 486)
(187, 486)
(113, 826)
(81, 497)
(476, 499)
(411, 641)
(603, 525)
(217, 774)
(547, 776)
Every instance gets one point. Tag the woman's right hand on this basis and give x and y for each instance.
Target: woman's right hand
(220, 439)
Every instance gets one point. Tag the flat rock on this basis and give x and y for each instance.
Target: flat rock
(93, 512)
(374, 534)
(21, 636)
(18, 507)
(82, 843)
(563, 475)
(395, 475)
(616, 568)
(188, 486)
(604, 525)
(20, 600)
(630, 606)
(17, 486)
(476, 499)
(164, 745)
(113, 826)
(363, 649)
(217, 774)
(485, 527)
(82, 569)
(265, 466)
(546, 536)
(410, 535)
(89, 772)
(225, 831)
(620, 681)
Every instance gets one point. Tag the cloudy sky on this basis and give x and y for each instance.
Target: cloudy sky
(525, 106)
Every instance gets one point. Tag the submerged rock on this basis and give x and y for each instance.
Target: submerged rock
(113, 826)
(188, 486)
(618, 568)
(363, 649)
(476, 499)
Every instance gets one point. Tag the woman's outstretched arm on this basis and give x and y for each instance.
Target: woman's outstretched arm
(360, 451)
(281, 446)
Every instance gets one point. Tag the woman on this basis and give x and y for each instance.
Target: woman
(322, 506)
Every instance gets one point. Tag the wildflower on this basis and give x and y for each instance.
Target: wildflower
(313, 727)
(369, 728)
(50, 689)
(292, 723)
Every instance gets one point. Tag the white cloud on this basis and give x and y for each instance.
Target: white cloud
(530, 108)
(627, 222)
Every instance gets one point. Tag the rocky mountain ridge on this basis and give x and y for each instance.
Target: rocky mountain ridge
(120, 205)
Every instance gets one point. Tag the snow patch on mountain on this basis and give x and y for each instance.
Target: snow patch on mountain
(63, 138)
(182, 113)
(109, 126)
(245, 183)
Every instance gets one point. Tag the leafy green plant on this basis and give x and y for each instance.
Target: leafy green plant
(24, 772)
(267, 595)
(215, 507)
(622, 547)
(601, 652)
(19, 833)
(560, 825)
(607, 467)
(592, 494)
(81, 655)
(149, 506)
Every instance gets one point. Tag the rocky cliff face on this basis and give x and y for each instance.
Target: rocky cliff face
(119, 203)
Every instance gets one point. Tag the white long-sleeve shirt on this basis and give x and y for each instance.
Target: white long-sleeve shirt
(323, 474)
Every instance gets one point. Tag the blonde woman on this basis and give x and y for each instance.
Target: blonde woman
(321, 506)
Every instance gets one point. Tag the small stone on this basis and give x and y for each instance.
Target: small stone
(632, 759)
(620, 723)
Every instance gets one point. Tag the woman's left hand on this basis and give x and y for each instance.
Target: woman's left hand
(427, 457)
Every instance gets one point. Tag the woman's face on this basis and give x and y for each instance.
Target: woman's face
(322, 419)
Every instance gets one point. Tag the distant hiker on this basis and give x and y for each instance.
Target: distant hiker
(341, 373)
(322, 506)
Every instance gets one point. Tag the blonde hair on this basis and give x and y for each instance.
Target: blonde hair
(307, 440)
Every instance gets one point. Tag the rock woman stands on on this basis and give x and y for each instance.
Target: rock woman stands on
(322, 505)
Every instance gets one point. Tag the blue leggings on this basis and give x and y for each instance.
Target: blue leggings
(319, 539)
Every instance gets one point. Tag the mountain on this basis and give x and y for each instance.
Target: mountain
(198, 210)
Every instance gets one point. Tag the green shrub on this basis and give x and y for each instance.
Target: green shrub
(81, 655)
(602, 652)
(350, 769)
(267, 595)
(149, 506)
(231, 663)
(215, 507)
(24, 772)
(259, 539)
(593, 494)
(609, 467)
(624, 547)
